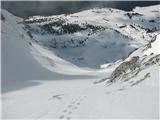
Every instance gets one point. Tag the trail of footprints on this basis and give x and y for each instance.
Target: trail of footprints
(66, 113)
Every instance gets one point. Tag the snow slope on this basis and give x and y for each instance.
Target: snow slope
(103, 31)
(18, 62)
(17, 57)
(40, 82)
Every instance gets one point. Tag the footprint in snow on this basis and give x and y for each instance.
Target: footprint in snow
(58, 97)
(107, 92)
(71, 108)
(68, 118)
(78, 103)
(75, 108)
(69, 112)
(61, 117)
(64, 111)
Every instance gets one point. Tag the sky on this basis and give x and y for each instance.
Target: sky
(25, 9)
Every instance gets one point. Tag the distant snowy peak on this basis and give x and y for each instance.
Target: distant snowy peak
(135, 24)
(99, 31)
(105, 17)
(93, 38)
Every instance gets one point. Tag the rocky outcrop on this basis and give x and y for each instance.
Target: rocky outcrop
(124, 68)
(129, 69)
(153, 60)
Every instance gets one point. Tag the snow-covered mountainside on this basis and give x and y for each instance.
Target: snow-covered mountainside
(98, 63)
(103, 32)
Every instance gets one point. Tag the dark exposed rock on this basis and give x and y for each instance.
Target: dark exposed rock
(139, 81)
(130, 15)
(152, 21)
(124, 67)
(153, 60)
(123, 26)
(134, 27)
(2, 17)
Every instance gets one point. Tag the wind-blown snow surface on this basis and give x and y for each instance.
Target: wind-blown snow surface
(42, 81)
